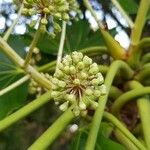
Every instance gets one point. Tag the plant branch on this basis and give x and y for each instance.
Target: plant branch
(123, 13)
(32, 46)
(146, 58)
(143, 74)
(123, 129)
(124, 98)
(115, 50)
(19, 62)
(134, 59)
(124, 140)
(61, 44)
(114, 68)
(53, 131)
(9, 31)
(143, 104)
(24, 111)
(139, 22)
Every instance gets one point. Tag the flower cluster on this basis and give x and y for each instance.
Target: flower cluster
(35, 88)
(53, 10)
(78, 82)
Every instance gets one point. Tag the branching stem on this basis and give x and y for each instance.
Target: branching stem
(61, 44)
(114, 68)
(10, 29)
(123, 129)
(24, 111)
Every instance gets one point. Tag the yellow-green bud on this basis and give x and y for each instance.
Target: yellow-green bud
(46, 10)
(44, 21)
(64, 106)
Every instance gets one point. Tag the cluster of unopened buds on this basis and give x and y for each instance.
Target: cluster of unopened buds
(51, 10)
(36, 89)
(78, 82)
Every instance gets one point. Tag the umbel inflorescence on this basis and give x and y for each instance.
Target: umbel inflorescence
(78, 82)
(51, 10)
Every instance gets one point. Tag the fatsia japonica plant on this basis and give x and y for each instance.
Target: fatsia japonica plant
(75, 87)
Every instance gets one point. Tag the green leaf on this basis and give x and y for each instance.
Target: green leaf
(13, 100)
(103, 142)
(9, 73)
(130, 6)
(78, 35)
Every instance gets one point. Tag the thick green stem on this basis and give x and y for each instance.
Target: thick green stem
(115, 50)
(144, 111)
(124, 98)
(114, 68)
(143, 74)
(146, 58)
(134, 58)
(114, 92)
(124, 140)
(20, 62)
(61, 44)
(139, 22)
(24, 111)
(123, 13)
(123, 129)
(53, 131)
(143, 104)
(32, 46)
(93, 50)
(10, 29)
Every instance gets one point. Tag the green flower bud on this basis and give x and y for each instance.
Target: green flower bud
(59, 74)
(25, 11)
(87, 61)
(82, 105)
(46, 10)
(63, 8)
(60, 66)
(100, 78)
(61, 84)
(80, 65)
(72, 70)
(103, 89)
(70, 97)
(97, 93)
(95, 82)
(44, 21)
(76, 81)
(66, 69)
(93, 69)
(64, 106)
(88, 92)
(65, 17)
(68, 58)
(83, 75)
(32, 90)
(32, 11)
(57, 27)
(55, 81)
(51, 8)
(57, 15)
(55, 94)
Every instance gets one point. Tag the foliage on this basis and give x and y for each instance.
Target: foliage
(31, 63)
